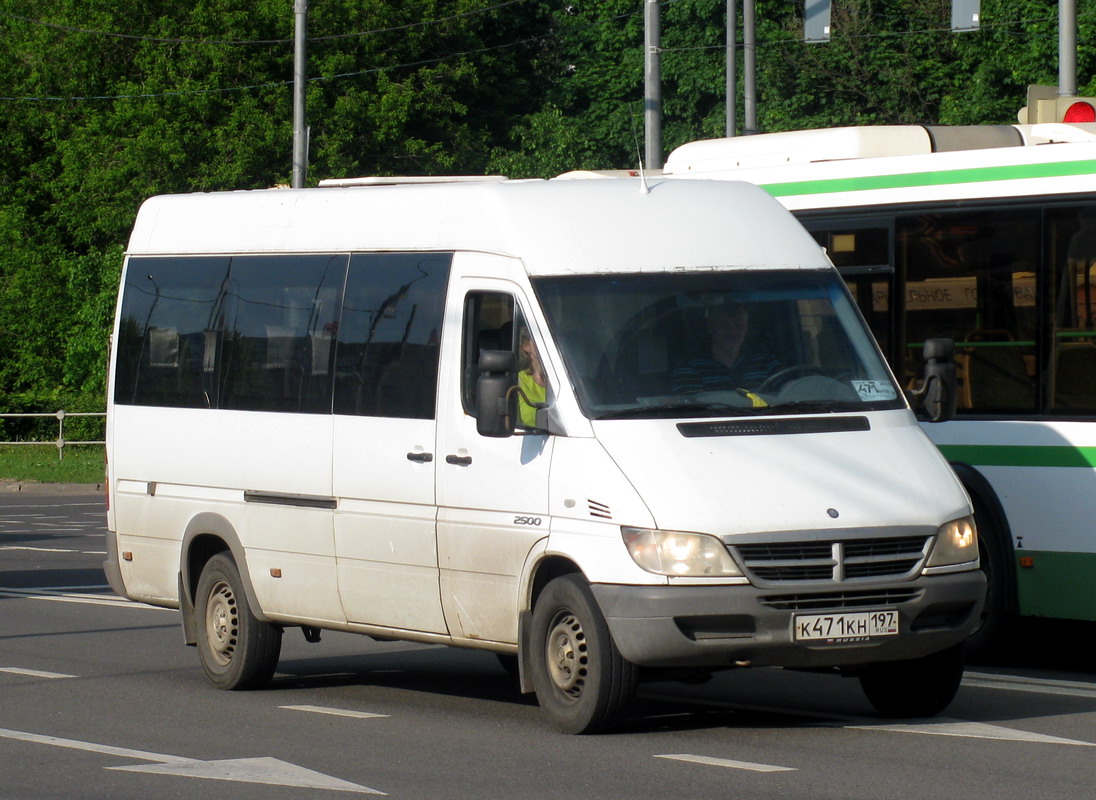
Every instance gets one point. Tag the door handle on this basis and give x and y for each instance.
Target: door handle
(460, 461)
(420, 458)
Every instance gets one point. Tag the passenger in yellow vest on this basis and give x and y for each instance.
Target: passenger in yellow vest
(531, 381)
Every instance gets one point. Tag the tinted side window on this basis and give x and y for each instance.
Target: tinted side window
(389, 334)
(168, 336)
(251, 332)
(280, 317)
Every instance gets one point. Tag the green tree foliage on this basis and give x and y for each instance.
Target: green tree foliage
(897, 61)
(106, 102)
(888, 62)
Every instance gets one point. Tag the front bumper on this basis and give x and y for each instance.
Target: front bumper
(722, 626)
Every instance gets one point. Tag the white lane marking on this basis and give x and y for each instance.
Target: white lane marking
(336, 712)
(935, 726)
(1016, 683)
(54, 506)
(71, 597)
(36, 549)
(725, 762)
(34, 673)
(269, 771)
(939, 726)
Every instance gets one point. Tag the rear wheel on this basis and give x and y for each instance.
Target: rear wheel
(582, 682)
(237, 650)
(920, 687)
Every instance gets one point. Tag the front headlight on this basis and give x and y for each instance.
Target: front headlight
(681, 554)
(956, 543)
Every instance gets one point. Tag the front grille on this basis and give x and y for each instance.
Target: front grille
(836, 600)
(799, 572)
(838, 560)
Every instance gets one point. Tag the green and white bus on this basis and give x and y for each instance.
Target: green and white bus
(986, 235)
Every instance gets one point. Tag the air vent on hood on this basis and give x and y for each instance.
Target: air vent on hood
(771, 427)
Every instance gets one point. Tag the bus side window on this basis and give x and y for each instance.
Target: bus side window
(389, 335)
(971, 276)
(166, 346)
(277, 316)
(1073, 345)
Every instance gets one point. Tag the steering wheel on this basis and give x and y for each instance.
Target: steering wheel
(782, 376)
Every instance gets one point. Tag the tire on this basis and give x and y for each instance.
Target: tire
(993, 553)
(581, 680)
(920, 687)
(237, 651)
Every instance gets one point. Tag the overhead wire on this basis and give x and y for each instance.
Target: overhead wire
(425, 62)
(320, 78)
(837, 36)
(237, 42)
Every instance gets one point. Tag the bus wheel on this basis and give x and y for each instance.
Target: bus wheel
(581, 680)
(993, 555)
(237, 651)
(920, 687)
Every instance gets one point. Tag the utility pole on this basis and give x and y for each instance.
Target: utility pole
(1067, 48)
(652, 80)
(300, 127)
(732, 67)
(749, 56)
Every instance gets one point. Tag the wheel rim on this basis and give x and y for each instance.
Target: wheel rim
(222, 623)
(567, 656)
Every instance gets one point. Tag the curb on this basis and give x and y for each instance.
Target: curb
(20, 487)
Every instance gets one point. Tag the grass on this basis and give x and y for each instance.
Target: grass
(39, 463)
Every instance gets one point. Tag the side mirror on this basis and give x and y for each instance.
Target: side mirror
(493, 413)
(938, 391)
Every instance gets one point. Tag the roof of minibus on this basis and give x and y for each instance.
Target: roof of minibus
(555, 226)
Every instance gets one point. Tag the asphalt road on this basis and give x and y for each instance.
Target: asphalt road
(99, 698)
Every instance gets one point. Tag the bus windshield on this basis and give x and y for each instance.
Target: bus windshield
(715, 343)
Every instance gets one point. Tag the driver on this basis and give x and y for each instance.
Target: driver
(728, 368)
(531, 380)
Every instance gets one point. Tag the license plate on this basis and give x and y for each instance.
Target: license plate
(851, 627)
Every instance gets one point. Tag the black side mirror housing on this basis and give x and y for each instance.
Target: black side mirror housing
(938, 391)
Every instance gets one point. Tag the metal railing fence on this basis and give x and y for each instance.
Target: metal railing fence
(60, 442)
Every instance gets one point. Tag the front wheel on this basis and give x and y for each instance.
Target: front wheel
(920, 687)
(237, 650)
(581, 680)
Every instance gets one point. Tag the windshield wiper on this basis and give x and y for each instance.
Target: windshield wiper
(683, 410)
(815, 407)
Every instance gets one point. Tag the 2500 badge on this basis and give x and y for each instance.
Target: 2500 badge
(527, 521)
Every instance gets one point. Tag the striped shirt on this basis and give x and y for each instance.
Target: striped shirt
(709, 375)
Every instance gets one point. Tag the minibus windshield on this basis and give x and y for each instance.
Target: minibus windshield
(715, 343)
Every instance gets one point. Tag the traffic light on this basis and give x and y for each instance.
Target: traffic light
(1077, 109)
(1044, 105)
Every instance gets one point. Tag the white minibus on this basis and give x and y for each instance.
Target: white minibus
(609, 430)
